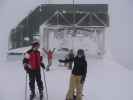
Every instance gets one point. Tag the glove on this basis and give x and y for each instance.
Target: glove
(43, 66)
(26, 68)
(60, 60)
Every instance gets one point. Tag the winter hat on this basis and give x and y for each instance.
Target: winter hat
(80, 52)
(35, 43)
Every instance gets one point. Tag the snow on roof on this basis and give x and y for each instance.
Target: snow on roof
(18, 50)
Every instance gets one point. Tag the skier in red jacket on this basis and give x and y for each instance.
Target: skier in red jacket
(32, 62)
(49, 57)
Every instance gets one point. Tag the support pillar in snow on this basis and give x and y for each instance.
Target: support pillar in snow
(44, 38)
(101, 42)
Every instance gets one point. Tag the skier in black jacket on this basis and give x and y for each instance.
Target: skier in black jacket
(70, 57)
(78, 76)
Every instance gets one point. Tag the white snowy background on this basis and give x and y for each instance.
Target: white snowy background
(107, 79)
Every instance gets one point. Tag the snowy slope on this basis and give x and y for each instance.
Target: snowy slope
(106, 80)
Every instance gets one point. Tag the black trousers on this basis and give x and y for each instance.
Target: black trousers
(35, 76)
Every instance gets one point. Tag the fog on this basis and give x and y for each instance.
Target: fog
(120, 32)
(118, 35)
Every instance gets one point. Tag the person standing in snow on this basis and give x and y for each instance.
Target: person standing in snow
(70, 57)
(49, 57)
(32, 62)
(78, 76)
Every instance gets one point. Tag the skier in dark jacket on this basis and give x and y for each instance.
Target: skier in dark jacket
(78, 76)
(70, 57)
(32, 62)
(68, 61)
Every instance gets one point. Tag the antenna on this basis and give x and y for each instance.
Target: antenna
(74, 20)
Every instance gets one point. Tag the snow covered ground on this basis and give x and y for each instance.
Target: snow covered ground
(106, 80)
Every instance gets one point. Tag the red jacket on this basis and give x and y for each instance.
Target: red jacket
(50, 55)
(34, 59)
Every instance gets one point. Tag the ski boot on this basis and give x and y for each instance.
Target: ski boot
(41, 95)
(32, 95)
(74, 97)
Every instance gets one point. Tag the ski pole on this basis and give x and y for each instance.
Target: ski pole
(45, 84)
(26, 86)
